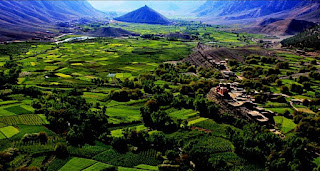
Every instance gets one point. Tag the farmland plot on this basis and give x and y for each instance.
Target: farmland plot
(9, 131)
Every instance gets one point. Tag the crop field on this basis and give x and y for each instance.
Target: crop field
(215, 34)
(128, 159)
(124, 113)
(18, 110)
(216, 144)
(182, 114)
(229, 157)
(28, 119)
(8, 102)
(99, 166)
(88, 150)
(217, 129)
(129, 169)
(147, 167)
(4, 112)
(78, 164)
(74, 62)
(37, 161)
(58, 163)
(9, 131)
(285, 124)
(2, 136)
(29, 129)
(305, 110)
(118, 132)
(196, 120)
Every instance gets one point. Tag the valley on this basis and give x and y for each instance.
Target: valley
(142, 92)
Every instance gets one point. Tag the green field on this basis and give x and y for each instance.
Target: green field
(128, 159)
(182, 114)
(125, 57)
(118, 132)
(286, 125)
(28, 129)
(17, 110)
(147, 167)
(98, 166)
(78, 164)
(9, 131)
(2, 136)
(197, 120)
(28, 119)
(216, 128)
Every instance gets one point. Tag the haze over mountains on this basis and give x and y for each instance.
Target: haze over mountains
(281, 17)
(26, 16)
(35, 12)
(277, 17)
(247, 9)
(169, 8)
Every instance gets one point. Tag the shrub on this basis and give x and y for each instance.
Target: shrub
(296, 88)
(120, 144)
(61, 149)
(284, 89)
(278, 82)
(43, 137)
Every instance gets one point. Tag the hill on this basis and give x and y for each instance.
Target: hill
(206, 56)
(110, 32)
(144, 15)
(281, 27)
(309, 38)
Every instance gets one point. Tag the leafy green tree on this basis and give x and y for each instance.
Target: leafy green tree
(119, 144)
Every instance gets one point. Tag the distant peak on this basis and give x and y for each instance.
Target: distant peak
(144, 14)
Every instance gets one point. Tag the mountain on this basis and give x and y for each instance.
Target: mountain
(144, 15)
(34, 15)
(281, 27)
(244, 8)
(250, 10)
(170, 8)
(36, 12)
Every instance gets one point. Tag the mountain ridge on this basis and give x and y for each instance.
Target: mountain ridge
(19, 18)
(251, 10)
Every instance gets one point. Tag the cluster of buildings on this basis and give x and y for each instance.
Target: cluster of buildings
(237, 99)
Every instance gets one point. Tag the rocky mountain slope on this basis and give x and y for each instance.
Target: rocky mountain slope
(285, 17)
(281, 27)
(22, 17)
(244, 8)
